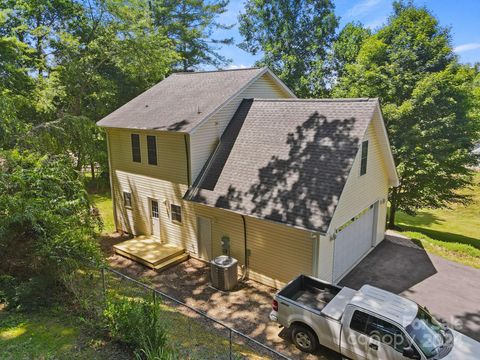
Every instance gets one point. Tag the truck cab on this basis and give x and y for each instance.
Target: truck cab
(370, 323)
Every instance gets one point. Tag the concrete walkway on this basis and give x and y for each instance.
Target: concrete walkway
(450, 291)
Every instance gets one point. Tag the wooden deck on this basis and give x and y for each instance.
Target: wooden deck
(151, 252)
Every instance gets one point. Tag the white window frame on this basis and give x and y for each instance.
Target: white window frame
(172, 212)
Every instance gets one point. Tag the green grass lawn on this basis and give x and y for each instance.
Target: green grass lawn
(452, 233)
(103, 202)
(191, 336)
(51, 334)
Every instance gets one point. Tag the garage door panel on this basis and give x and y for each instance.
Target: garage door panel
(353, 242)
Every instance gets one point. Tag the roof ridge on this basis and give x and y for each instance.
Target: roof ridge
(318, 100)
(214, 71)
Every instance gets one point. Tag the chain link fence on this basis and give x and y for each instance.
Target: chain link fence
(196, 335)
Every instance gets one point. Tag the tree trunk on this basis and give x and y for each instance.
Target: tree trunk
(79, 161)
(92, 170)
(393, 210)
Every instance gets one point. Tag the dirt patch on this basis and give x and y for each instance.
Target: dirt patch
(246, 309)
(107, 241)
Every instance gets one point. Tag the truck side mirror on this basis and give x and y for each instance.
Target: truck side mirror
(409, 352)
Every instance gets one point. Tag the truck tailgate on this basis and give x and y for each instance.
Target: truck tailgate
(335, 308)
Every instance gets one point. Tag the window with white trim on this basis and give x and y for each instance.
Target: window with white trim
(127, 199)
(363, 163)
(152, 149)
(155, 209)
(176, 213)
(136, 154)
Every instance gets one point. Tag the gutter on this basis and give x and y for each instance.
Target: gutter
(245, 259)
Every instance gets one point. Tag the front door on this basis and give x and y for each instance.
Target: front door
(204, 237)
(155, 218)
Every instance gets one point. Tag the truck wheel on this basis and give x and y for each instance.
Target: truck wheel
(304, 338)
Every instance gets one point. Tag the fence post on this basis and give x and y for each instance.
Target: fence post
(103, 284)
(230, 341)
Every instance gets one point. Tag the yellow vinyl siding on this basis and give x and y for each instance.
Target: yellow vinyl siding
(137, 220)
(359, 193)
(171, 154)
(278, 252)
(362, 191)
(224, 223)
(204, 140)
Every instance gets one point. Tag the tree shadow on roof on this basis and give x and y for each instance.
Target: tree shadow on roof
(177, 126)
(303, 188)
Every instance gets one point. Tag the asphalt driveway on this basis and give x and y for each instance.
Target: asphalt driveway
(450, 291)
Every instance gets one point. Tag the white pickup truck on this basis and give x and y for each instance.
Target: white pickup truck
(366, 324)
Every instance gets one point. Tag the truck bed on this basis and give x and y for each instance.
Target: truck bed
(310, 292)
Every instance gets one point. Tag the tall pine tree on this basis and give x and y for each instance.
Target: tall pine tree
(191, 24)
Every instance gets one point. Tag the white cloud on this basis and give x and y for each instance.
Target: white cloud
(362, 8)
(376, 23)
(239, 66)
(466, 47)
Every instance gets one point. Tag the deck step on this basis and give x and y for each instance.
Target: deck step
(171, 262)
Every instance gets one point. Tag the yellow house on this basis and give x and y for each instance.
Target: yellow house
(232, 162)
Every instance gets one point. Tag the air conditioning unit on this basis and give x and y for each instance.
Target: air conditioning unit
(224, 272)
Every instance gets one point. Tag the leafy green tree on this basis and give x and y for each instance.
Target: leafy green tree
(294, 38)
(347, 45)
(15, 85)
(37, 23)
(191, 24)
(47, 226)
(410, 65)
(475, 98)
(79, 62)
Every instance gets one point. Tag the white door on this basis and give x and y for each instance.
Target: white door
(204, 237)
(353, 242)
(155, 218)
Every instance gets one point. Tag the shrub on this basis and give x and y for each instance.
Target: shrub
(27, 295)
(137, 323)
(7, 288)
(47, 228)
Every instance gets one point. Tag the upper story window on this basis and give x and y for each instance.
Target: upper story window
(136, 154)
(363, 164)
(127, 199)
(152, 149)
(176, 211)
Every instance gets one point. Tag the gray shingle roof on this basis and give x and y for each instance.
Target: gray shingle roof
(181, 101)
(285, 160)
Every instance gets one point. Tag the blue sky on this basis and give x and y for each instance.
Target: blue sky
(462, 16)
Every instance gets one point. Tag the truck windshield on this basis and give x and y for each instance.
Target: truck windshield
(427, 333)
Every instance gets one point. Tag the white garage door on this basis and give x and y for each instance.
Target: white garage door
(353, 242)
